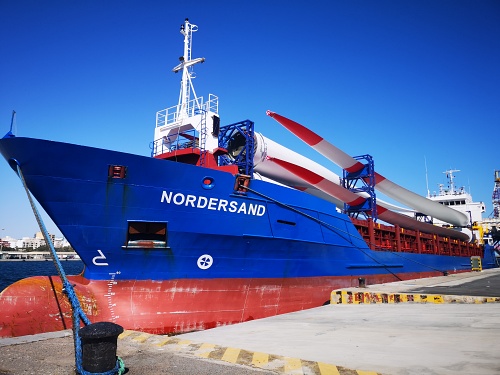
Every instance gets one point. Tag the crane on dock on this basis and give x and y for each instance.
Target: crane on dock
(495, 199)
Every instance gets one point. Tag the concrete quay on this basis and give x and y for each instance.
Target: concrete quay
(458, 335)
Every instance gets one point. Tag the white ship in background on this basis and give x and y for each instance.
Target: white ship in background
(461, 200)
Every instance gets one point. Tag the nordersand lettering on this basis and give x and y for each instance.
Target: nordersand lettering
(214, 204)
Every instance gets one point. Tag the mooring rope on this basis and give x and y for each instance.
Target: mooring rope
(339, 231)
(331, 227)
(287, 206)
(78, 314)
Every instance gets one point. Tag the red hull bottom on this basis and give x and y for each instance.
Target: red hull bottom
(37, 304)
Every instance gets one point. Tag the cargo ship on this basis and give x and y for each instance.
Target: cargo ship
(219, 225)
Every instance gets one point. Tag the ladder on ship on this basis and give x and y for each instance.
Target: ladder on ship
(203, 139)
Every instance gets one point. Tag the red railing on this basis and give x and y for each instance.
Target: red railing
(382, 237)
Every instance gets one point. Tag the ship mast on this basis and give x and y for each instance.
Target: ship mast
(186, 66)
(193, 123)
(449, 175)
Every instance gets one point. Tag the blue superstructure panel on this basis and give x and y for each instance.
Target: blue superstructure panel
(299, 225)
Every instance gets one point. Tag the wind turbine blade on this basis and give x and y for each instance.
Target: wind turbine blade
(353, 199)
(382, 184)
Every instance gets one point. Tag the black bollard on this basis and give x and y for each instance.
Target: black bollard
(99, 344)
(362, 282)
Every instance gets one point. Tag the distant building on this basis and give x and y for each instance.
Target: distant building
(39, 235)
(9, 242)
(4, 243)
(29, 244)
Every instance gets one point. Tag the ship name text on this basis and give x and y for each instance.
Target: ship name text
(215, 204)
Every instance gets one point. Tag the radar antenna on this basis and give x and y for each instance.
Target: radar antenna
(450, 177)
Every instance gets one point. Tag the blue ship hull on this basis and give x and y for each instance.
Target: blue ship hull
(153, 231)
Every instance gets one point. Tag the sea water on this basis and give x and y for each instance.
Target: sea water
(12, 271)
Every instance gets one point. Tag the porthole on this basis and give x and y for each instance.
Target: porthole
(208, 183)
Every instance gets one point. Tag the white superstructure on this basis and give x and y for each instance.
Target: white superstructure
(192, 117)
(458, 199)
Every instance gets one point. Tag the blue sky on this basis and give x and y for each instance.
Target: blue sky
(403, 81)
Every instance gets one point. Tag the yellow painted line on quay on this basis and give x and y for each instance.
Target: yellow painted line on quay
(164, 341)
(279, 364)
(292, 366)
(182, 345)
(327, 369)
(142, 337)
(231, 355)
(355, 297)
(125, 333)
(205, 350)
(260, 359)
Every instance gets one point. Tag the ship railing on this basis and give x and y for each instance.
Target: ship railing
(192, 108)
(213, 104)
(382, 237)
(181, 141)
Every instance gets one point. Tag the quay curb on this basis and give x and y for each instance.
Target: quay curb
(276, 363)
(357, 296)
(9, 341)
